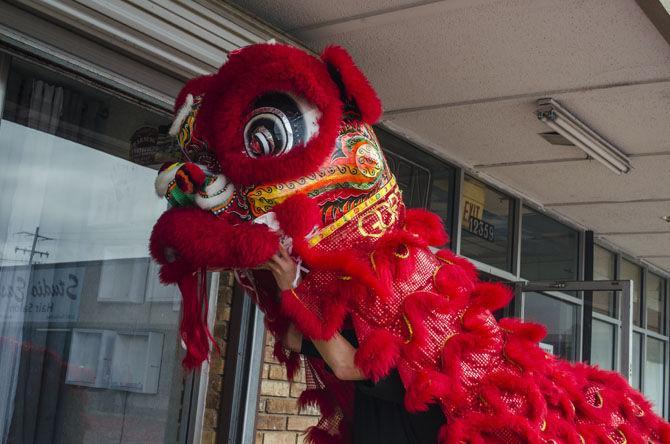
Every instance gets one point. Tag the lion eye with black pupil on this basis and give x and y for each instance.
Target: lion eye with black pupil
(277, 124)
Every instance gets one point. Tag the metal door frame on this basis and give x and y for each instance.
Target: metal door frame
(624, 288)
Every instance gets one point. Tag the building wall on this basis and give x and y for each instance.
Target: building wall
(279, 420)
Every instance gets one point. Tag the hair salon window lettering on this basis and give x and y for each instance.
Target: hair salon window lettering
(474, 204)
(47, 294)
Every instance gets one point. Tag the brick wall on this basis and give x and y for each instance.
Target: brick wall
(279, 420)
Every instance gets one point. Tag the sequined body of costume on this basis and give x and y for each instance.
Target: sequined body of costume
(369, 265)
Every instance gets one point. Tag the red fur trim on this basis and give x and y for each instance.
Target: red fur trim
(527, 355)
(478, 428)
(426, 388)
(187, 239)
(347, 262)
(527, 330)
(466, 267)
(193, 327)
(427, 225)
(249, 73)
(356, 85)
(377, 354)
(297, 216)
(305, 320)
(499, 387)
(196, 87)
(491, 296)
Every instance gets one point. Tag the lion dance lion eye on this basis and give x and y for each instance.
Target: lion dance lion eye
(277, 123)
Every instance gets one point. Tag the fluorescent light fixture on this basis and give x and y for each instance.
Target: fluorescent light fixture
(566, 124)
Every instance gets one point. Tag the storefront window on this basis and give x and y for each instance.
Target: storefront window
(604, 269)
(426, 181)
(602, 344)
(549, 249)
(654, 373)
(630, 271)
(637, 360)
(654, 300)
(90, 350)
(561, 319)
(485, 233)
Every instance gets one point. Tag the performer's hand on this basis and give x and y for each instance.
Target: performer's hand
(283, 268)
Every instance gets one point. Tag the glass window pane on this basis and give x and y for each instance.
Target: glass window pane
(486, 224)
(637, 358)
(561, 319)
(549, 249)
(631, 271)
(654, 371)
(654, 297)
(604, 263)
(89, 335)
(602, 344)
(426, 181)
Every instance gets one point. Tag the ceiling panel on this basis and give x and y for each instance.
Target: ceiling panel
(505, 48)
(617, 218)
(634, 118)
(486, 133)
(644, 244)
(588, 180)
(291, 14)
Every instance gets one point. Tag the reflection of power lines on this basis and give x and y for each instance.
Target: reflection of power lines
(33, 250)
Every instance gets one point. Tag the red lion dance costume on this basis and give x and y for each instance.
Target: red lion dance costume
(279, 149)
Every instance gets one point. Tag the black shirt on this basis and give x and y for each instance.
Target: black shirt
(379, 412)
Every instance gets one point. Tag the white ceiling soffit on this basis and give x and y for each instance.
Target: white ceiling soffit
(462, 77)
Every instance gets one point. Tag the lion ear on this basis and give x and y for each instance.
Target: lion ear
(354, 86)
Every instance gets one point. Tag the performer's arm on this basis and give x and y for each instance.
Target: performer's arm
(337, 351)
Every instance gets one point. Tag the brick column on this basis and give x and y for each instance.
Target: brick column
(279, 419)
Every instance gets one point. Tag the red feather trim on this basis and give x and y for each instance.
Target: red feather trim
(377, 354)
(187, 239)
(297, 216)
(196, 87)
(427, 225)
(491, 296)
(356, 86)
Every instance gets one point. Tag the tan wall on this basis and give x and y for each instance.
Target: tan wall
(279, 420)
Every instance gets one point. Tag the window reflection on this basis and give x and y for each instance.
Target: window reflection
(654, 372)
(549, 249)
(89, 338)
(654, 297)
(426, 181)
(485, 232)
(604, 263)
(637, 360)
(630, 271)
(602, 344)
(561, 319)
